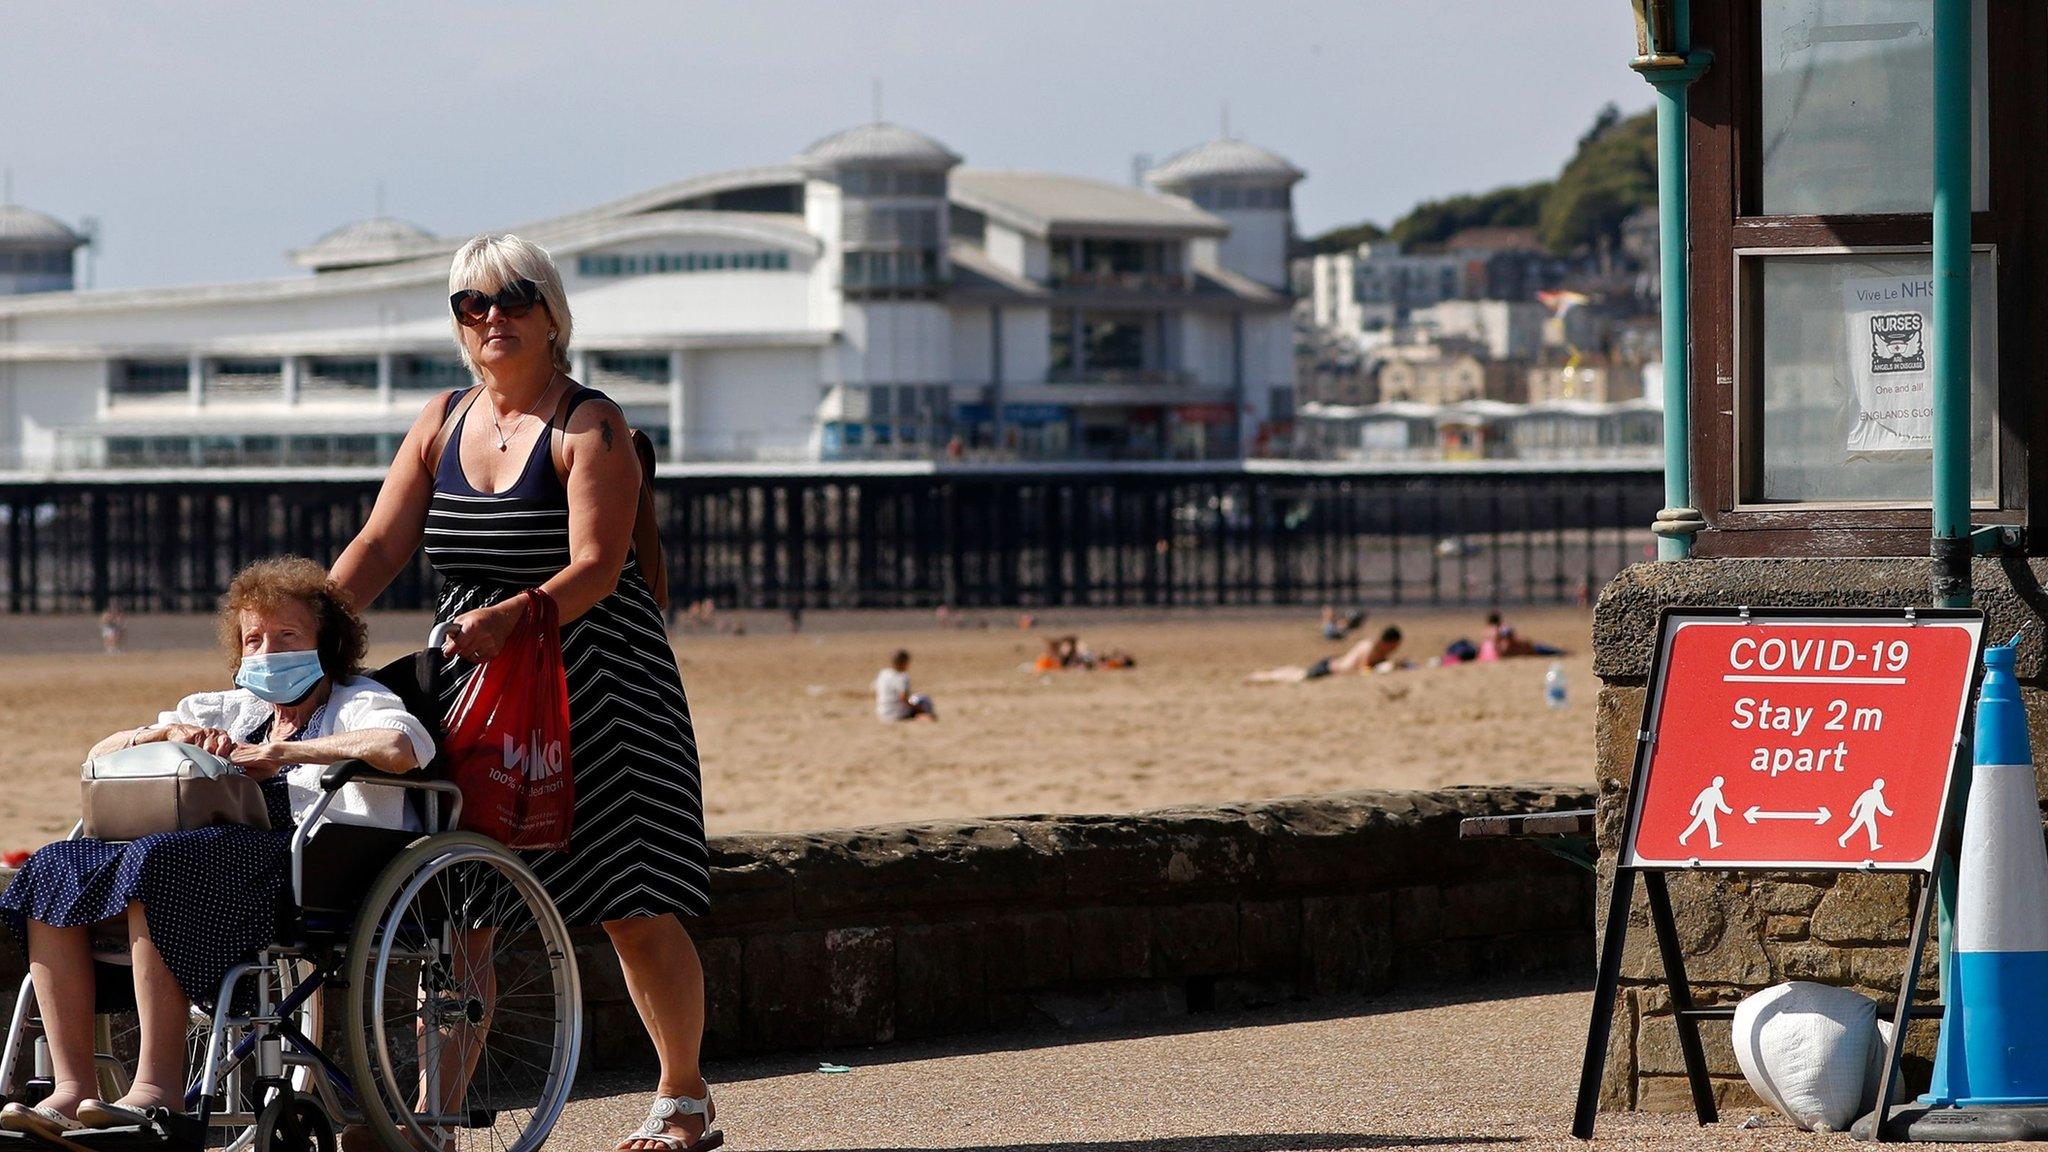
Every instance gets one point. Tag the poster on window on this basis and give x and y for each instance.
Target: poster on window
(1890, 321)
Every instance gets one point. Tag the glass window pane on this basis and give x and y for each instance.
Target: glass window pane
(1848, 381)
(1848, 107)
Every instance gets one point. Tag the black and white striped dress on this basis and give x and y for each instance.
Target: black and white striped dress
(636, 842)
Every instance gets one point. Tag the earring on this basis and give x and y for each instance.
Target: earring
(551, 333)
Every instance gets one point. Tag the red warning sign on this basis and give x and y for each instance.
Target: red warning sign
(1803, 741)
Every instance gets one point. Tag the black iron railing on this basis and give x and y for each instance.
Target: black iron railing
(819, 539)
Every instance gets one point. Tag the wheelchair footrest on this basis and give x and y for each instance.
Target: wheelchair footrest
(167, 1130)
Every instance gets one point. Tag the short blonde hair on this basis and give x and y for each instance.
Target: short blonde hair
(341, 637)
(492, 260)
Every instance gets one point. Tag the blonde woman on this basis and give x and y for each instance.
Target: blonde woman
(528, 479)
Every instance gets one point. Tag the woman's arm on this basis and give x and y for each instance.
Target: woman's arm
(604, 498)
(385, 749)
(213, 740)
(399, 518)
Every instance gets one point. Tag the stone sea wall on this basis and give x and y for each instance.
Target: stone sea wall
(1744, 932)
(869, 935)
(861, 936)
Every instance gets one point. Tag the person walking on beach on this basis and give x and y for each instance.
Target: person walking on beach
(113, 630)
(1864, 813)
(530, 479)
(1705, 806)
(893, 697)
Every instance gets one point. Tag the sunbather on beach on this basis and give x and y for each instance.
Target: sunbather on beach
(1069, 654)
(1364, 656)
(1502, 641)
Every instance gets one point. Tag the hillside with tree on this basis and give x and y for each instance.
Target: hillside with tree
(1612, 173)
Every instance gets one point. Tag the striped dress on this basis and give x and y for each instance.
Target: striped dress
(636, 843)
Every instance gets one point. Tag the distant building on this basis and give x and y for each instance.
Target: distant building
(1448, 373)
(37, 251)
(1640, 244)
(1508, 263)
(1378, 285)
(1506, 329)
(1593, 380)
(869, 298)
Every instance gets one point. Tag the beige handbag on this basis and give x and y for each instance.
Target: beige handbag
(166, 787)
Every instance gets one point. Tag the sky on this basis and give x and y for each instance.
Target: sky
(208, 139)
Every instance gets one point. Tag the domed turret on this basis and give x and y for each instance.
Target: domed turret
(877, 145)
(35, 251)
(1248, 186)
(1222, 160)
(378, 240)
(889, 187)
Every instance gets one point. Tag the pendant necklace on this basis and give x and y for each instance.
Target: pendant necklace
(504, 438)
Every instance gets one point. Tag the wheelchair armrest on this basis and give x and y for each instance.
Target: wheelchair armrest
(342, 771)
(345, 771)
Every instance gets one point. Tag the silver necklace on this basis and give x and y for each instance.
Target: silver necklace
(504, 438)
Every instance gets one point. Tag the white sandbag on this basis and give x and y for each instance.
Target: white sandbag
(1879, 1044)
(1805, 1048)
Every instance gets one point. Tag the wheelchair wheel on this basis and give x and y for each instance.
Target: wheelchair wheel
(292, 1123)
(464, 1017)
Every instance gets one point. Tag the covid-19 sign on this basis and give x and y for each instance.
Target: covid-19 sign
(1789, 742)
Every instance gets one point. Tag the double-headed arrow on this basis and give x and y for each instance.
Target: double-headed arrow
(1755, 814)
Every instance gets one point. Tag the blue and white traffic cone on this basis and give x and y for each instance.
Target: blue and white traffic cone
(1993, 1050)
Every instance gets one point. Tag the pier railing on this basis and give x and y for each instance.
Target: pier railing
(820, 538)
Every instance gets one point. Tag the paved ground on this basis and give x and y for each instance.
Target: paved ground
(1496, 1067)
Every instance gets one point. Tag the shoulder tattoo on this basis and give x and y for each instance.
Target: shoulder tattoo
(604, 428)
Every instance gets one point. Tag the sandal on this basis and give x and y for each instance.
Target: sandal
(46, 1124)
(666, 1108)
(101, 1114)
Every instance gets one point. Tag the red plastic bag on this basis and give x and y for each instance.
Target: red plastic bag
(507, 738)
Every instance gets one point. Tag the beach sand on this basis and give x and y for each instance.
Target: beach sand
(789, 738)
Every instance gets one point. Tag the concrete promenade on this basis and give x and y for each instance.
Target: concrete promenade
(1480, 1067)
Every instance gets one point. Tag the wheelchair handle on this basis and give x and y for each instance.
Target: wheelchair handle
(440, 633)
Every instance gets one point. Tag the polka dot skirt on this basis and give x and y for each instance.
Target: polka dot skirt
(211, 895)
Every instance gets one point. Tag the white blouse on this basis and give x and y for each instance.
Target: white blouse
(352, 706)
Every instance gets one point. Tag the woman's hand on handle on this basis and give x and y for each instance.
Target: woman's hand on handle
(212, 740)
(480, 633)
(260, 761)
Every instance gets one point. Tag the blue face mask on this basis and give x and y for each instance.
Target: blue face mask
(280, 677)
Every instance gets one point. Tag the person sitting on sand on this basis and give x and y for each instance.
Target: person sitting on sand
(1336, 627)
(1502, 642)
(893, 698)
(1364, 656)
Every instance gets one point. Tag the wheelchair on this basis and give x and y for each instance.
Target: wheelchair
(425, 986)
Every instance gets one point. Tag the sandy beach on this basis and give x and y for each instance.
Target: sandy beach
(790, 741)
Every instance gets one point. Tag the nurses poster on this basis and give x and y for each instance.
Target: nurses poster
(1890, 320)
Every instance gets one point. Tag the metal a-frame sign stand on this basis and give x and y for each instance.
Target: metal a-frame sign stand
(1687, 1015)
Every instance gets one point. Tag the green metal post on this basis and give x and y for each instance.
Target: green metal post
(1951, 343)
(1671, 69)
(1949, 583)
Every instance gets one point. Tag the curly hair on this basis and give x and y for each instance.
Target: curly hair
(341, 636)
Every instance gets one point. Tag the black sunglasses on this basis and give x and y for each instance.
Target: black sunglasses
(514, 300)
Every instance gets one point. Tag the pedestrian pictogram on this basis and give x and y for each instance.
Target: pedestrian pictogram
(1864, 813)
(1704, 806)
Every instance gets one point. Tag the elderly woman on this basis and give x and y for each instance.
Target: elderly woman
(195, 903)
(526, 480)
